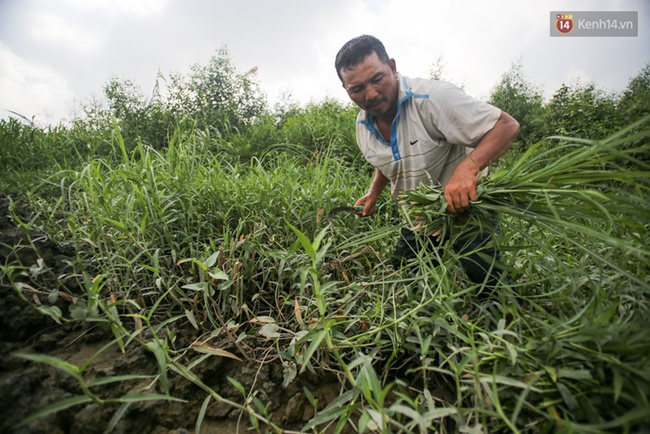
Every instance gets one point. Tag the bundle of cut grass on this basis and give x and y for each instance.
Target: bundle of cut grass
(588, 193)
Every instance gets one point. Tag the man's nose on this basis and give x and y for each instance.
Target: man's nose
(371, 92)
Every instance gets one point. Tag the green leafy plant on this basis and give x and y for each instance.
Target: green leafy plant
(219, 233)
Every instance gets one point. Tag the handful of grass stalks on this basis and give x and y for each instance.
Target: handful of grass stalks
(585, 192)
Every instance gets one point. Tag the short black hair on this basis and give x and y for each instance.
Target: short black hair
(356, 49)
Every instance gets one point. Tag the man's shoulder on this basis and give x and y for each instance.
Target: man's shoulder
(428, 87)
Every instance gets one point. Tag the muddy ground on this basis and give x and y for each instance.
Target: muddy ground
(27, 386)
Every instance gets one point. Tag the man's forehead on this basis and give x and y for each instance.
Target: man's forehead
(370, 65)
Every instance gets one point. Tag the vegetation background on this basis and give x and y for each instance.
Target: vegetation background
(199, 209)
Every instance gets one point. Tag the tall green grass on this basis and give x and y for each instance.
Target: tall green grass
(243, 255)
(575, 216)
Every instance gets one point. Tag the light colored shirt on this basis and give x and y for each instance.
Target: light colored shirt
(436, 125)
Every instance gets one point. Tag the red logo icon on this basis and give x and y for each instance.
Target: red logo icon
(564, 23)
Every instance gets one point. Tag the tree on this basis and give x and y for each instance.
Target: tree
(635, 101)
(582, 110)
(140, 118)
(212, 97)
(523, 101)
(217, 96)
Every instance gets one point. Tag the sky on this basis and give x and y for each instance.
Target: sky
(57, 54)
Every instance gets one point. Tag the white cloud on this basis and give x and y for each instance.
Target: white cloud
(137, 8)
(32, 90)
(50, 29)
(75, 46)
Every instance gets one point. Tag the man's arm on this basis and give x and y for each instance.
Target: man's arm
(379, 182)
(461, 188)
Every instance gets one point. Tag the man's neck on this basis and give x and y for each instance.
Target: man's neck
(383, 125)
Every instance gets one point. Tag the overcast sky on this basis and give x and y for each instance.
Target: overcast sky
(56, 54)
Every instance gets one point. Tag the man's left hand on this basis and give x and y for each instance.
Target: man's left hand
(461, 189)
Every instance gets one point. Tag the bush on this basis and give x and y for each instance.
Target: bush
(583, 110)
(523, 101)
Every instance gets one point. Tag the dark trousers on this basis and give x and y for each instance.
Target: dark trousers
(479, 257)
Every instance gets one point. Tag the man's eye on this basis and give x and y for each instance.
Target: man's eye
(355, 89)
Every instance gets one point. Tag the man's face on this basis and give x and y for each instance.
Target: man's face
(372, 85)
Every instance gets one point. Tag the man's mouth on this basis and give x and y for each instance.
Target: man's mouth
(374, 103)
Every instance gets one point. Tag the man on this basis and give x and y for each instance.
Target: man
(416, 130)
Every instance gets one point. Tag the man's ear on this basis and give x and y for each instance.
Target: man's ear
(393, 65)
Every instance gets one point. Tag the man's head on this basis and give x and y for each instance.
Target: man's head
(369, 76)
(356, 50)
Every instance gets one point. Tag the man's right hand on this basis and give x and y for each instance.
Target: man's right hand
(368, 203)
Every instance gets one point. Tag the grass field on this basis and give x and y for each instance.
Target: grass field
(242, 254)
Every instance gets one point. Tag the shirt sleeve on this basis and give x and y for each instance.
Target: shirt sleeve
(449, 113)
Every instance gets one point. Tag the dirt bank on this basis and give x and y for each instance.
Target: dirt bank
(27, 386)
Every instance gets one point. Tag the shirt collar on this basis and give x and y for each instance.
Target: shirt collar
(365, 118)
